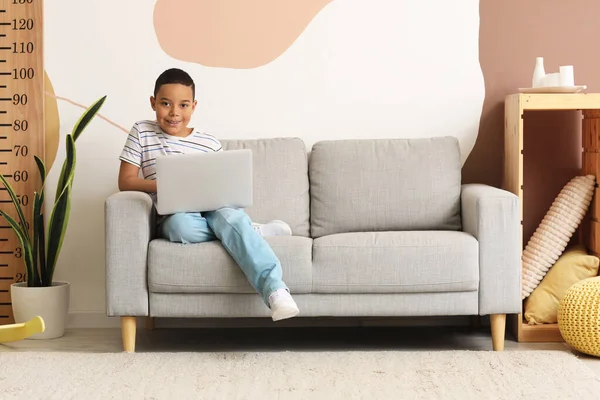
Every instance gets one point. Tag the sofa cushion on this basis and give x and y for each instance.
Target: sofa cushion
(280, 170)
(385, 184)
(208, 268)
(396, 262)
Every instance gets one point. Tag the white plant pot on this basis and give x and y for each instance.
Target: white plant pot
(51, 303)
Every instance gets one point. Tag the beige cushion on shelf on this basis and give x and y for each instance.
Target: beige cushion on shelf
(554, 232)
(541, 307)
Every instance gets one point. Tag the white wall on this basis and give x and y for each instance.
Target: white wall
(361, 69)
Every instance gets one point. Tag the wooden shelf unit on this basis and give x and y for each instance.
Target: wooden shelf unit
(514, 107)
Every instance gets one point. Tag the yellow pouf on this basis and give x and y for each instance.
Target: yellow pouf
(579, 316)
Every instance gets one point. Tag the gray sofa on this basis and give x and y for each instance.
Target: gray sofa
(381, 228)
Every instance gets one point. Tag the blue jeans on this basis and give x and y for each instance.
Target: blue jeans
(234, 229)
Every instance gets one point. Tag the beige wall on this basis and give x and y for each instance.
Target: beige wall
(512, 34)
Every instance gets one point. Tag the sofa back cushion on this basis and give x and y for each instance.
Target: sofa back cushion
(280, 171)
(385, 185)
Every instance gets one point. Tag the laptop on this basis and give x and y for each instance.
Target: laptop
(204, 181)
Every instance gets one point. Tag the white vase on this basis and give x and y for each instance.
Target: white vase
(538, 73)
(51, 303)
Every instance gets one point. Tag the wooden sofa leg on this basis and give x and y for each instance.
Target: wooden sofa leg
(498, 322)
(128, 326)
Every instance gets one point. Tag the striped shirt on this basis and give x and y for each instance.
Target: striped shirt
(146, 141)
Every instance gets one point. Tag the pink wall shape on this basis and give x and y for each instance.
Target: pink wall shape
(231, 33)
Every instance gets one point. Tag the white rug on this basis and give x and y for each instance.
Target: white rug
(297, 375)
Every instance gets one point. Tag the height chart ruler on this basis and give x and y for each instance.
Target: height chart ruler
(21, 128)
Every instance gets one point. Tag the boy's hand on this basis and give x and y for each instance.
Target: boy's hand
(129, 179)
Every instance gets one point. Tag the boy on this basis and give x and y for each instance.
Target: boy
(174, 102)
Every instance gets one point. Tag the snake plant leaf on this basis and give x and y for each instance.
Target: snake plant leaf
(87, 116)
(68, 168)
(38, 228)
(32, 278)
(59, 219)
(17, 205)
(42, 252)
(60, 184)
(42, 168)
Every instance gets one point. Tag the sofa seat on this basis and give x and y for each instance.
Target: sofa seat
(208, 268)
(396, 262)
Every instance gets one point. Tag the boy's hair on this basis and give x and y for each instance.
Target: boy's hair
(175, 75)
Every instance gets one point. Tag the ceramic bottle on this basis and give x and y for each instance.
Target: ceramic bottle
(538, 72)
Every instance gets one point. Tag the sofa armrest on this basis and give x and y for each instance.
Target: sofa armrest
(129, 227)
(492, 215)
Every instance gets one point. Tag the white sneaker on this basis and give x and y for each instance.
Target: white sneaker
(282, 305)
(272, 228)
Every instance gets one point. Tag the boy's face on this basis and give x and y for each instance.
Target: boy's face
(174, 106)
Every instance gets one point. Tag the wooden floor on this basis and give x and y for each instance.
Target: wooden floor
(287, 339)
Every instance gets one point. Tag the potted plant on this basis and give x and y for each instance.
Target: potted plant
(39, 294)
